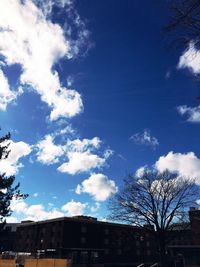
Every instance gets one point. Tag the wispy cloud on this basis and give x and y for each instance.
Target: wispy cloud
(6, 94)
(192, 113)
(145, 138)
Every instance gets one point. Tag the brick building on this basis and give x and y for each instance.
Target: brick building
(8, 236)
(86, 240)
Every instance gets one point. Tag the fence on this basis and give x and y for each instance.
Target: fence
(37, 263)
(7, 263)
(47, 263)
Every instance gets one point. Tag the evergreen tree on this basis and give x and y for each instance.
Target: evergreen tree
(8, 189)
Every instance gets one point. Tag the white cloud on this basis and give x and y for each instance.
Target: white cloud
(81, 162)
(95, 207)
(74, 208)
(18, 206)
(145, 138)
(81, 156)
(82, 145)
(11, 164)
(48, 153)
(190, 59)
(11, 219)
(36, 194)
(34, 212)
(187, 164)
(140, 171)
(193, 113)
(68, 130)
(6, 95)
(29, 39)
(98, 186)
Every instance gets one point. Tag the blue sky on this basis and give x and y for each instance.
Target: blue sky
(90, 92)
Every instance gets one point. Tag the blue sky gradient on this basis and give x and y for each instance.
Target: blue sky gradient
(129, 87)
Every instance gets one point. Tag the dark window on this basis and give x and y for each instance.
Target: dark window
(84, 257)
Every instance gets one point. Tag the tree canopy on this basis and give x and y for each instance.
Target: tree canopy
(156, 199)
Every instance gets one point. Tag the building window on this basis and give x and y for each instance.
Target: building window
(106, 241)
(148, 244)
(137, 243)
(84, 257)
(148, 252)
(83, 240)
(106, 251)
(94, 256)
(106, 231)
(138, 252)
(83, 229)
(119, 251)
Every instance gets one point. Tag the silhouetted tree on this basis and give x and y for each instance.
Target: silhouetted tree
(155, 199)
(8, 191)
(184, 22)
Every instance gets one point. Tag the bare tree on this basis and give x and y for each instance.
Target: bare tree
(155, 199)
(184, 22)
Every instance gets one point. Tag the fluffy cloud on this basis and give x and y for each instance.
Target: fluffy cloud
(145, 138)
(33, 212)
(74, 208)
(27, 38)
(98, 186)
(83, 145)
(81, 162)
(193, 113)
(187, 164)
(6, 95)
(81, 156)
(11, 164)
(48, 153)
(140, 171)
(190, 59)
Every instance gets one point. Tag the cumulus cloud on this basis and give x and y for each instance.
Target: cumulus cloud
(81, 156)
(190, 59)
(98, 186)
(11, 164)
(192, 113)
(145, 138)
(81, 162)
(187, 164)
(74, 208)
(48, 153)
(27, 38)
(33, 212)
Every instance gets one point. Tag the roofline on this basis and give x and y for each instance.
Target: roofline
(23, 224)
